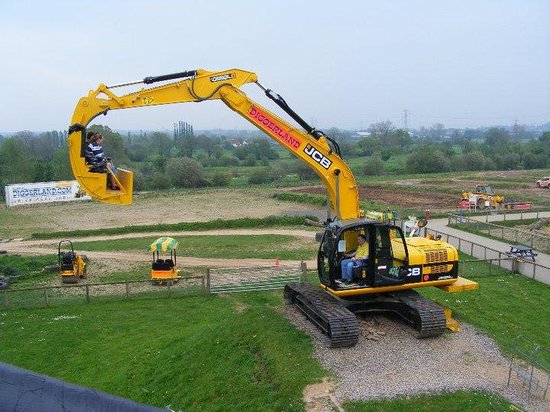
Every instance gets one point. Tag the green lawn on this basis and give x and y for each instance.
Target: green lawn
(234, 352)
(194, 353)
(460, 401)
(27, 270)
(505, 306)
(220, 246)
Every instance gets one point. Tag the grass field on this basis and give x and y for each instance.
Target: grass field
(220, 246)
(195, 353)
(145, 348)
(460, 401)
(505, 306)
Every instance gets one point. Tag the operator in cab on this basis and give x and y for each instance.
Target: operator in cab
(359, 258)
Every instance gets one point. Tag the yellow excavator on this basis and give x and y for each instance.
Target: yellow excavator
(395, 265)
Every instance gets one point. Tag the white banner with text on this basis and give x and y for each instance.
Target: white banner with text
(43, 192)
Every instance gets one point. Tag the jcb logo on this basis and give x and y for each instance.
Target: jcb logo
(317, 156)
(222, 77)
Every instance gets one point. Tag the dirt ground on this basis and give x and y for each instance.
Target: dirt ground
(425, 196)
(393, 197)
(173, 207)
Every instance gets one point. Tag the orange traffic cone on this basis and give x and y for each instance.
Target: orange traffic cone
(277, 263)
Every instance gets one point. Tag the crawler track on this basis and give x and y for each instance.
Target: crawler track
(336, 318)
(326, 312)
(427, 317)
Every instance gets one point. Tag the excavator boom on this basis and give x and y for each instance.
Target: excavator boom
(311, 145)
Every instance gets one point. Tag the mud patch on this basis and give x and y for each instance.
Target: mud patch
(318, 397)
(421, 198)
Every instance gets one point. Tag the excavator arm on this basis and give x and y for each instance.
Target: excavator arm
(310, 145)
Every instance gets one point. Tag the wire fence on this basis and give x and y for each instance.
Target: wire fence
(217, 280)
(509, 234)
(528, 366)
(87, 292)
(220, 280)
(525, 267)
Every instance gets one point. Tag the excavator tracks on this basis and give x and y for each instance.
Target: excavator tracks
(427, 317)
(326, 312)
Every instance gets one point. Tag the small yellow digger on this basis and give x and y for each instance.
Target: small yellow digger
(71, 265)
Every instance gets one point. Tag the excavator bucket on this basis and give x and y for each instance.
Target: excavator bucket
(94, 183)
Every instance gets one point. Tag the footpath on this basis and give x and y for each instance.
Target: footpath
(440, 226)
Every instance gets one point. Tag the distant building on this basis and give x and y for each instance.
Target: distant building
(361, 133)
(238, 142)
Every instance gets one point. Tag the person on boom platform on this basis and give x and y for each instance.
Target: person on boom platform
(95, 147)
(359, 258)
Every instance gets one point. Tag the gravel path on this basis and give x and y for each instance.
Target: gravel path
(390, 361)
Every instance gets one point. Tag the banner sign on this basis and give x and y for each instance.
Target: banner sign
(43, 192)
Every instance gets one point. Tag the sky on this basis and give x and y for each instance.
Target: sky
(344, 64)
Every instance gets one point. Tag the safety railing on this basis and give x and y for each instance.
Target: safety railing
(525, 267)
(528, 366)
(256, 278)
(509, 234)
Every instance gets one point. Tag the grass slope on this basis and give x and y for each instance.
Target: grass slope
(505, 305)
(197, 353)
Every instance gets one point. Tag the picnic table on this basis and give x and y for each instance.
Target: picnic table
(522, 252)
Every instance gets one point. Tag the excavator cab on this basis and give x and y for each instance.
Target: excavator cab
(485, 190)
(94, 181)
(386, 265)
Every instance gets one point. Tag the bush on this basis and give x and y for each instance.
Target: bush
(185, 172)
(249, 160)
(304, 171)
(259, 176)
(228, 160)
(428, 161)
(458, 163)
(475, 161)
(221, 179)
(160, 181)
(374, 166)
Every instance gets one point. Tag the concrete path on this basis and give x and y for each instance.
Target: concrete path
(543, 259)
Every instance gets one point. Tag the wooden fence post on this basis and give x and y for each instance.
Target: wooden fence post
(207, 280)
(303, 276)
(127, 290)
(87, 294)
(46, 296)
(6, 303)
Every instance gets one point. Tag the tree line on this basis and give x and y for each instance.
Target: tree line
(159, 161)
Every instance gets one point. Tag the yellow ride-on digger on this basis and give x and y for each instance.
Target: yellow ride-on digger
(164, 270)
(395, 264)
(71, 265)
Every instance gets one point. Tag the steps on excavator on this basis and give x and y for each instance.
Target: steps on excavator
(326, 312)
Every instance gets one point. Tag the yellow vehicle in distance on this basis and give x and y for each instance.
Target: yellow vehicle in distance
(483, 197)
(72, 266)
(164, 270)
